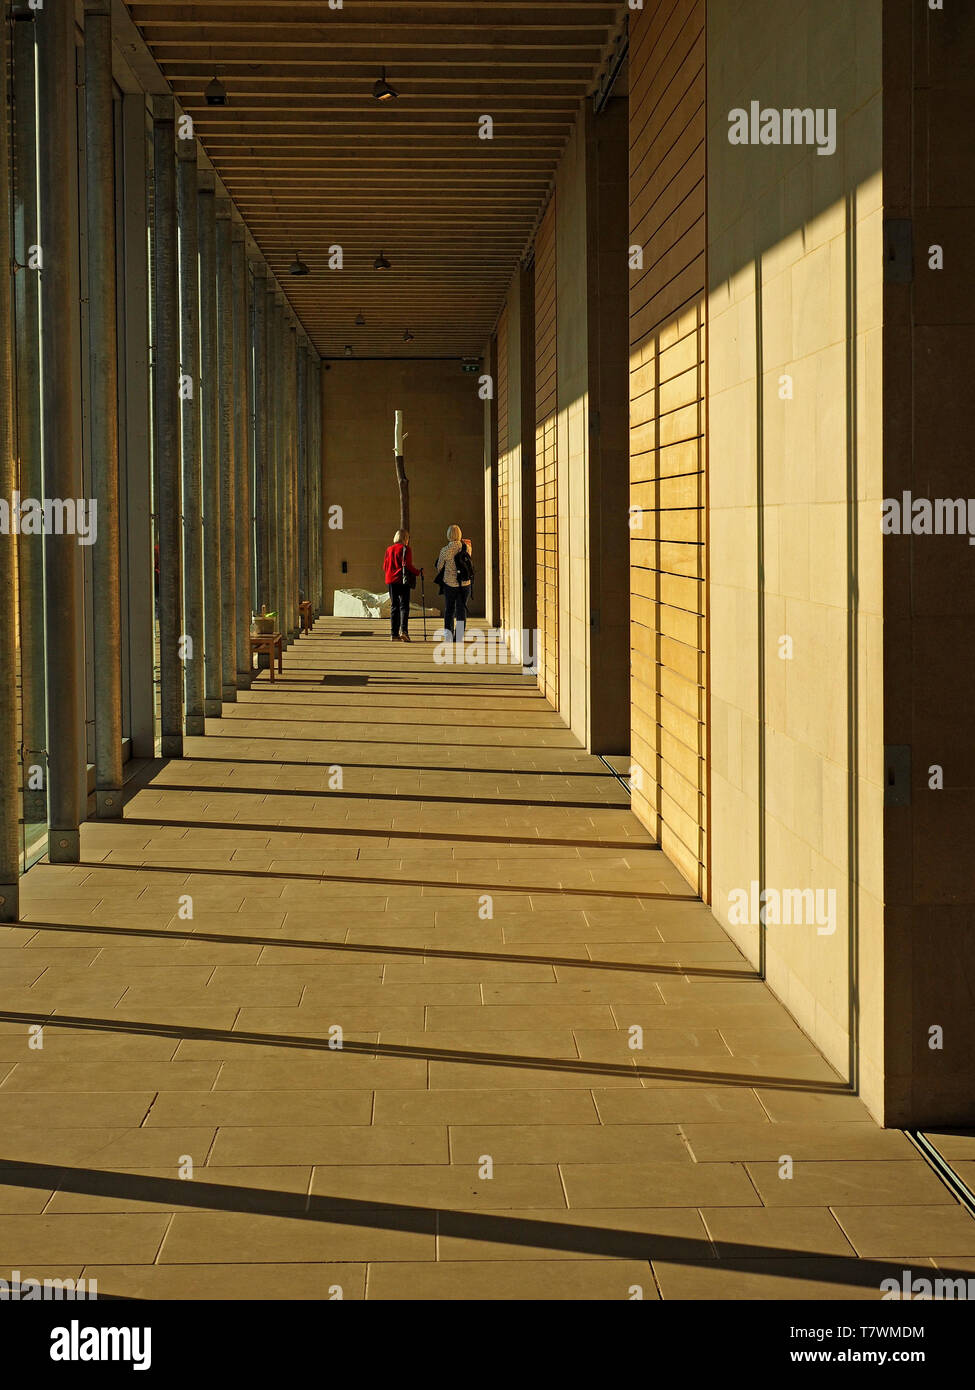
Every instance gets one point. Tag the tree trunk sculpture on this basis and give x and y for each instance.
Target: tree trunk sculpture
(401, 478)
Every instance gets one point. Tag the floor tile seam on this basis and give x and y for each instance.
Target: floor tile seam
(565, 1191)
(707, 1230)
(162, 1239)
(846, 1235)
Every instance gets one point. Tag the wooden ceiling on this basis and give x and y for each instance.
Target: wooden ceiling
(313, 160)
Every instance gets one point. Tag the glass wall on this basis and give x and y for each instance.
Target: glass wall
(28, 601)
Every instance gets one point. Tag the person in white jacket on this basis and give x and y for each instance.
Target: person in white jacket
(456, 589)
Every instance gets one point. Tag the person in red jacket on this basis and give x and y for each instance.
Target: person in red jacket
(397, 565)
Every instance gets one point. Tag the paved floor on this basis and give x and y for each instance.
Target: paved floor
(423, 858)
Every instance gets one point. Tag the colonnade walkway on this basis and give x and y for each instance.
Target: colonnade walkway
(422, 857)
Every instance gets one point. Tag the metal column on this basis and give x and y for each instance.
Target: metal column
(283, 463)
(60, 325)
(303, 471)
(9, 732)
(225, 431)
(272, 365)
(166, 424)
(27, 355)
(291, 340)
(103, 360)
(192, 447)
(138, 630)
(242, 487)
(260, 438)
(210, 391)
(313, 499)
(276, 513)
(288, 401)
(286, 460)
(318, 486)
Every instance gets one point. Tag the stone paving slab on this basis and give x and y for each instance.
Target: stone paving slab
(452, 1029)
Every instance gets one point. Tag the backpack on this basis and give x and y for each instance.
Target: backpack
(464, 566)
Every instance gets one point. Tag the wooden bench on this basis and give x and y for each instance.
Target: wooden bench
(269, 642)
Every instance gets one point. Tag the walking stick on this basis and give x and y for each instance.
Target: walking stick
(423, 601)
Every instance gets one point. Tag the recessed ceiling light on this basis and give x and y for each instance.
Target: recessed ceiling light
(348, 351)
(381, 263)
(216, 93)
(382, 91)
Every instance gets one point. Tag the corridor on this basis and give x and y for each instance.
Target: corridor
(382, 991)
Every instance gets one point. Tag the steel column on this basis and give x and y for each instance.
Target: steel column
(103, 376)
(273, 366)
(103, 403)
(310, 355)
(303, 471)
(27, 337)
(284, 464)
(27, 448)
(277, 503)
(166, 424)
(139, 630)
(295, 445)
(210, 391)
(249, 300)
(291, 598)
(261, 439)
(268, 596)
(60, 325)
(242, 486)
(9, 731)
(313, 498)
(27, 355)
(291, 355)
(192, 446)
(225, 431)
(318, 597)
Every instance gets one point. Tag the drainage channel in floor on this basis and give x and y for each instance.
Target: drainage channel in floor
(942, 1169)
(619, 776)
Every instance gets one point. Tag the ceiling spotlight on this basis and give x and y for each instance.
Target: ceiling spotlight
(407, 336)
(215, 93)
(360, 319)
(348, 351)
(298, 267)
(381, 263)
(382, 91)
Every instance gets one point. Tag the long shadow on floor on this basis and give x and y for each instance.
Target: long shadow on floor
(575, 1066)
(433, 952)
(227, 871)
(489, 1227)
(399, 799)
(152, 768)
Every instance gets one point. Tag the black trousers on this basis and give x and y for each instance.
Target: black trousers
(399, 608)
(456, 606)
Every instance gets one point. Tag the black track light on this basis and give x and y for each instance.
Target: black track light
(382, 91)
(381, 263)
(216, 93)
(407, 336)
(348, 351)
(298, 267)
(360, 319)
